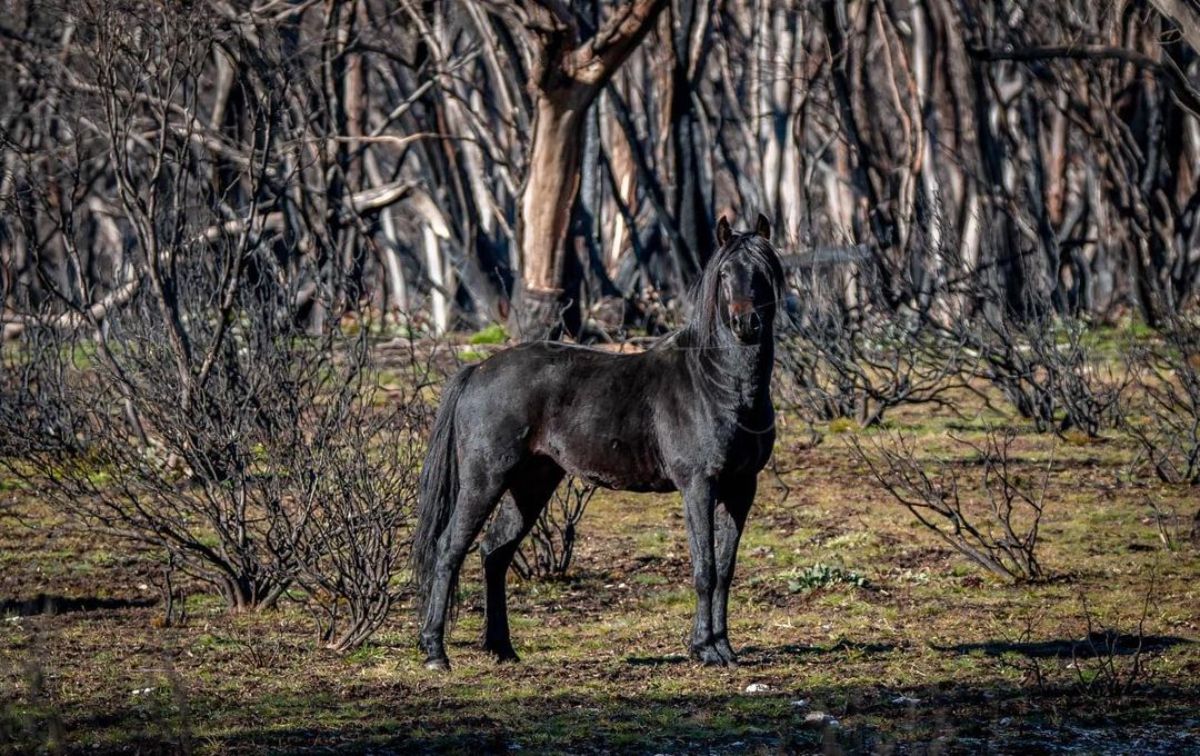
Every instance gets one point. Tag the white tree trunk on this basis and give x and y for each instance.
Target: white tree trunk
(437, 276)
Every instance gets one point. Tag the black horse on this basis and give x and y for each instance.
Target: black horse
(692, 414)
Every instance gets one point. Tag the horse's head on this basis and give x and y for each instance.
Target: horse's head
(743, 281)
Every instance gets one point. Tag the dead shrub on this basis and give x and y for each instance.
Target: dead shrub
(1164, 412)
(548, 549)
(993, 524)
(258, 463)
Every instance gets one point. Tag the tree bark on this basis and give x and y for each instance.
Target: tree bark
(691, 19)
(566, 75)
(553, 179)
(1185, 16)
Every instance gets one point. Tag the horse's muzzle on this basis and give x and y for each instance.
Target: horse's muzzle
(746, 325)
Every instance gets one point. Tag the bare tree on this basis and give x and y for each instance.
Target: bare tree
(566, 70)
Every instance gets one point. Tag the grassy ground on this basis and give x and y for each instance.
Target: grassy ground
(906, 648)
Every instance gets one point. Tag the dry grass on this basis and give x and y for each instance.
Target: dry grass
(930, 653)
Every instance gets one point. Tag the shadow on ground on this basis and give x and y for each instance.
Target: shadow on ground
(1096, 644)
(44, 603)
(757, 656)
(941, 717)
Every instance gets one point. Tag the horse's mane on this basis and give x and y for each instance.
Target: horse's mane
(703, 328)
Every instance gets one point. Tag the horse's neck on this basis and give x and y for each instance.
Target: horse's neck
(746, 368)
(760, 369)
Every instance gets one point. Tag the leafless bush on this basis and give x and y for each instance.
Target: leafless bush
(290, 466)
(1110, 663)
(551, 543)
(365, 486)
(838, 359)
(1046, 368)
(234, 455)
(861, 371)
(1164, 413)
(1034, 670)
(997, 530)
(1085, 387)
(1104, 662)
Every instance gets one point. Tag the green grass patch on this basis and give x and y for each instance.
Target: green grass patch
(492, 334)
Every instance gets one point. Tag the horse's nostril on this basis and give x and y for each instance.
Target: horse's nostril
(746, 323)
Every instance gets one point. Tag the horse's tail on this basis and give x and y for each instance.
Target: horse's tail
(439, 487)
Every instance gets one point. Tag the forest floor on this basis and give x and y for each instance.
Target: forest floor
(901, 646)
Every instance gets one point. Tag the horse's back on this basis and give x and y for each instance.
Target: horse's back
(543, 371)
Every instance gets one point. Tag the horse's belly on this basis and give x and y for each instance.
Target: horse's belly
(619, 471)
(622, 482)
(620, 464)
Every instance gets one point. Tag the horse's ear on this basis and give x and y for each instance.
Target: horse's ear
(763, 228)
(724, 232)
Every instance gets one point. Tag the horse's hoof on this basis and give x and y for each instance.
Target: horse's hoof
(502, 654)
(708, 656)
(727, 653)
(502, 651)
(437, 664)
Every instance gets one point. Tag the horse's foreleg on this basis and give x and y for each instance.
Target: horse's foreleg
(698, 503)
(729, 521)
(470, 512)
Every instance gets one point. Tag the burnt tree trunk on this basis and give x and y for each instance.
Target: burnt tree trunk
(565, 75)
(690, 22)
(546, 302)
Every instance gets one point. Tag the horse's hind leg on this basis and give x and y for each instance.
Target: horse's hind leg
(497, 549)
(532, 487)
(476, 500)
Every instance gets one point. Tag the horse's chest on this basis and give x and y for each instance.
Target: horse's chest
(749, 448)
(736, 444)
